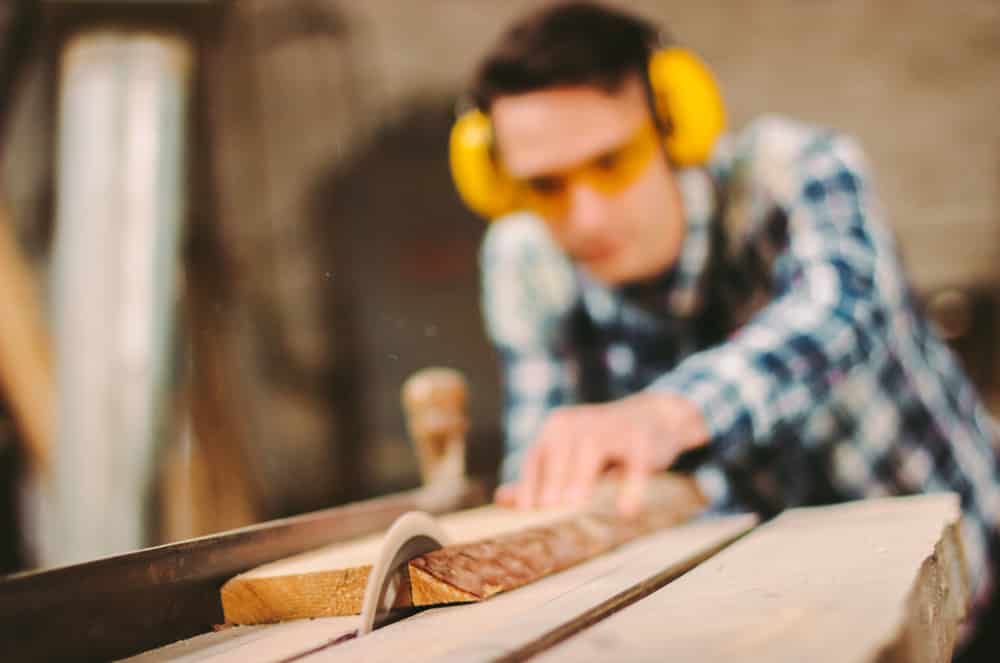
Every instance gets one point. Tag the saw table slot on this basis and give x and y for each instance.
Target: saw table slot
(271, 642)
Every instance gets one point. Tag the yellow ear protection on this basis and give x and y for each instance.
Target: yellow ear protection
(685, 96)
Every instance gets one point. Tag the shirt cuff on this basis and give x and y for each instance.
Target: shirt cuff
(719, 400)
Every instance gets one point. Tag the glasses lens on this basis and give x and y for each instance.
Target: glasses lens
(609, 173)
(616, 170)
(546, 195)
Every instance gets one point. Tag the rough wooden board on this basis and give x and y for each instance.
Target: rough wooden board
(480, 569)
(581, 591)
(331, 581)
(882, 580)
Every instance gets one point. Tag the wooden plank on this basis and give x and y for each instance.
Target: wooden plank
(331, 581)
(567, 600)
(876, 580)
(475, 571)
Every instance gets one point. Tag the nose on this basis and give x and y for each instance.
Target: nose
(587, 211)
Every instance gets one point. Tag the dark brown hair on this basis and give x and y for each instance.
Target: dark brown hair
(573, 43)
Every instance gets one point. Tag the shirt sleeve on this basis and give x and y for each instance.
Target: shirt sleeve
(527, 291)
(827, 307)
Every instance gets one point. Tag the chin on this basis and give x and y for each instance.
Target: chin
(624, 272)
(612, 273)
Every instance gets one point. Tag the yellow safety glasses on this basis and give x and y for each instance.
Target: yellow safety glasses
(608, 173)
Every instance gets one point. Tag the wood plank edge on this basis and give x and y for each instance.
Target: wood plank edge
(427, 590)
(937, 603)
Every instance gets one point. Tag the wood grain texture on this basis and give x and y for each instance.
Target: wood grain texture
(331, 581)
(880, 580)
(475, 571)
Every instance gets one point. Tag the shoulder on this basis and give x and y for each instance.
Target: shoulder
(518, 236)
(784, 155)
(528, 283)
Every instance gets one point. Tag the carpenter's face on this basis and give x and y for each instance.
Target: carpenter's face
(590, 162)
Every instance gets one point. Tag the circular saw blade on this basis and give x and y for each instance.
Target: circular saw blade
(413, 534)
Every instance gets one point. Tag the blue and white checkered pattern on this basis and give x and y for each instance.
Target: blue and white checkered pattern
(834, 388)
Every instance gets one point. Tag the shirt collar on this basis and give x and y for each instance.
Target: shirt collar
(699, 198)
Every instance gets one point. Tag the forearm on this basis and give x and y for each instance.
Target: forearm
(774, 370)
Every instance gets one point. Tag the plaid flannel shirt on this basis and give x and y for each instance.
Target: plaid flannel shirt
(831, 387)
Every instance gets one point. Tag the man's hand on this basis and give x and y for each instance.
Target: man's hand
(641, 434)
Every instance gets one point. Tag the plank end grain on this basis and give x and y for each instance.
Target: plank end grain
(426, 589)
(936, 607)
(266, 600)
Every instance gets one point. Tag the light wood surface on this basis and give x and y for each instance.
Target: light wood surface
(331, 581)
(269, 643)
(881, 580)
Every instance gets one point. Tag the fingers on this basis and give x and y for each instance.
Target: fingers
(528, 487)
(557, 471)
(587, 470)
(637, 470)
(549, 463)
(506, 494)
(578, 443)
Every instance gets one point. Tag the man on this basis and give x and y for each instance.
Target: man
(749, 317)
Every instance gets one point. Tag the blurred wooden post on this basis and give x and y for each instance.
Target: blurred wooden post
(125, 79)
(25, 363)
(434, 400)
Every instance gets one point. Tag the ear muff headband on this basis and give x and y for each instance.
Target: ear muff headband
(686, 98)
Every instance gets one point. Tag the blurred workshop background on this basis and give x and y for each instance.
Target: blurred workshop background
(281, 168)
